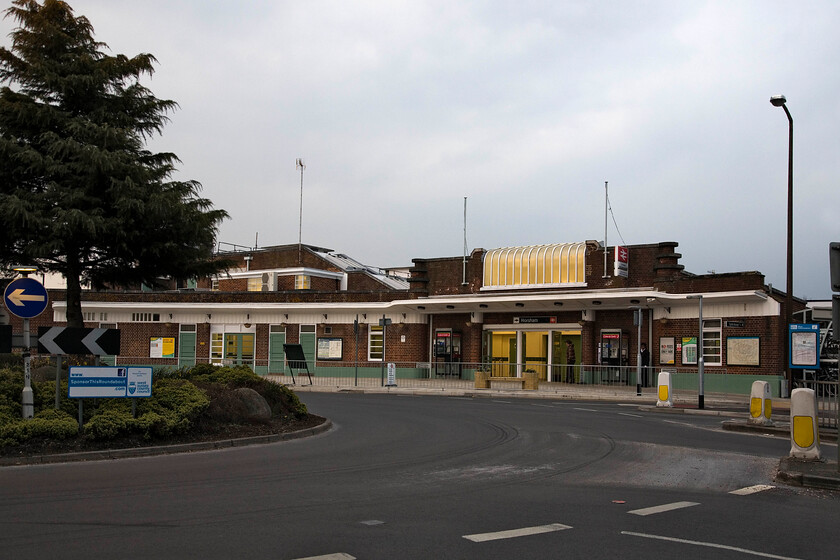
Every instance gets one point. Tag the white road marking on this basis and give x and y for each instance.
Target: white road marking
(628, 414)
(513, 533)
(372, 522)
(678, 423)
(752, 489)
(336, 556)
(662, 508)
(586, 409)
(710, 545)
(503, 402)
(543, 405)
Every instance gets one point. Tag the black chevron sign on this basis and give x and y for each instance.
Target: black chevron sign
(74, 340)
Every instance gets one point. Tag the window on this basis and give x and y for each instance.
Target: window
(302, 282)
(217, 346)
(145, 317)
(90, 316)
(375, 343)
(255, 284)
(214, 285)
(712, 342)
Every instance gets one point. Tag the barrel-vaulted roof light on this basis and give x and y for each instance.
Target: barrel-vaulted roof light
(537, 266)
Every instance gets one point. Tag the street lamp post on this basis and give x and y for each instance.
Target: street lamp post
(700, 360)
(780, 101)
(637, 320)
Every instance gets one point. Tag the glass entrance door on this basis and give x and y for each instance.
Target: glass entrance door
(503, 353)
(536, 352)
(239, 349)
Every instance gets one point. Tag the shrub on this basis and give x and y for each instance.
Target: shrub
(155, 425)
(174, 406)
(199, 370)
(178, 395)
(11, 384)
(236, 376)
(53, 424)
(109, 424)
(280, 398)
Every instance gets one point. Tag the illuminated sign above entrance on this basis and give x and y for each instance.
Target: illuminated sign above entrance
(534, 320)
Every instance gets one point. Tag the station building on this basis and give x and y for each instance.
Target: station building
(506, 310)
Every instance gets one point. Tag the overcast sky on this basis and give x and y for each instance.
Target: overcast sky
(402, 109)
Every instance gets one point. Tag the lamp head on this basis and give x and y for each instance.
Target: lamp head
(25, 270)
(778, 100)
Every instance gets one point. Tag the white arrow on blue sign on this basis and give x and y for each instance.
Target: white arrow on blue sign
(25, 298)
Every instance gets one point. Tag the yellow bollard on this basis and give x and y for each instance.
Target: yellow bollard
(663, 389)
(761, 404)
(804, 430)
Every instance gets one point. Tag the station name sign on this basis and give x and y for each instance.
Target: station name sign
(534, 320)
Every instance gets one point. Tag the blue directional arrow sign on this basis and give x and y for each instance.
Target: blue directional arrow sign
(25, 297)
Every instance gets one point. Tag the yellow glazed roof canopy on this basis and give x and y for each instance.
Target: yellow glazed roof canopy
(537, 266)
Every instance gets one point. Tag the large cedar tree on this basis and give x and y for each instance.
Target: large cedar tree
(80, 194)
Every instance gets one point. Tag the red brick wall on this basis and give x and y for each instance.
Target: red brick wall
(135, 342)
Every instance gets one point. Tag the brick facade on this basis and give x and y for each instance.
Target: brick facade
(418, 309)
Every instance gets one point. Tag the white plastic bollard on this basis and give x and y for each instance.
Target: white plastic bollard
(804, 431)
(663, 389)
(761, 404)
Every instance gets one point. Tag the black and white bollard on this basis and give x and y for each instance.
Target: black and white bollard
(804, 431)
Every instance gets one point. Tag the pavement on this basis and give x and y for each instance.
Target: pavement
(822, 473)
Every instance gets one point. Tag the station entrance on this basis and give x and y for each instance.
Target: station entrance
(510, 350)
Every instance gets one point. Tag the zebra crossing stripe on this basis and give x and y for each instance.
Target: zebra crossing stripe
(662, 508)
(752, 489)
(513, 533)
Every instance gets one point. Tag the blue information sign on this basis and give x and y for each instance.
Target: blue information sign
(109, 382)
(804, 345)
(25, 298)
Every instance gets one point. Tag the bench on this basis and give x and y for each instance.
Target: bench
(528, 380)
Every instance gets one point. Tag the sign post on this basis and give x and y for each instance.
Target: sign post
(383, 322)
(26, 298)
(700, 359)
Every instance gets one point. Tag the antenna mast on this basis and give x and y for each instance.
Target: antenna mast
(606, 209)
(464, 278)
(300, 165)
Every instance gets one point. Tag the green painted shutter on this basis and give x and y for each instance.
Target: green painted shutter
(276, 355)
(186, 349)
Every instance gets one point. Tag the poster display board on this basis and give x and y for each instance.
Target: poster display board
(330, 348)
(666, 350)
(804, 345)
(743, 351)
(689, 350)
(162, 347)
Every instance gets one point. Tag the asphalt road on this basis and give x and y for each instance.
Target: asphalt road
(434, 477)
